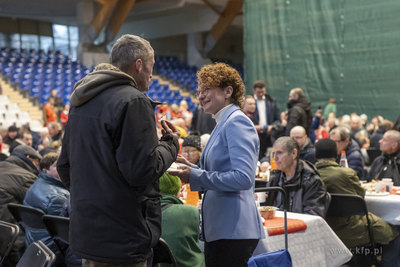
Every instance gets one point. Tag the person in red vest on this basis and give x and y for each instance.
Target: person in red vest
(64, 115)
(49, 115)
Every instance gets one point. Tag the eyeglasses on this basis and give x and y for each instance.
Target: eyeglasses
(203, 91)
(187, 152)
(298, 137)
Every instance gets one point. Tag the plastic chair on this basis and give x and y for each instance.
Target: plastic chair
(344, 205)
(373, 153)
(8, 234)
(27, 216)
(37, 255)
(58, 228)
(162, 253)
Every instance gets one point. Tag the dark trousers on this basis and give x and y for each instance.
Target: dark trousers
(229, 252)
(265, 143)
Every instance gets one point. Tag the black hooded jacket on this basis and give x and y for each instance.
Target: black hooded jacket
(16, 176)
(306, 193)
(111, 161)
(299, 114)
(387, 166)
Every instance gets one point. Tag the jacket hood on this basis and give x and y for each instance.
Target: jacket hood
(27, 165)
(103, 77)
(303, 168)
(50, 179)
(302, 102)
(170, 199)
(326, 163)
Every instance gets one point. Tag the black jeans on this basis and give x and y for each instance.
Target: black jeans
(229, 252)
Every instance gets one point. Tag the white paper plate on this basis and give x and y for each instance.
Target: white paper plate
(377, 194)
(174, 167)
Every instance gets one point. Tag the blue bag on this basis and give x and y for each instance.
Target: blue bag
(280, 258)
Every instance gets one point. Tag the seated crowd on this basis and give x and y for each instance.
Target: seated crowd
(306, 151)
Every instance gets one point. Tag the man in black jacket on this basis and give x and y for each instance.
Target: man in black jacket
(388, 164)
(299, 111)
(307, 150)
(111, 160)
(306, 193)
(17, 173)
(265, 117)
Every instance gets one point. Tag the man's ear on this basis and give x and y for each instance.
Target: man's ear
(294, 153)
(138, 65)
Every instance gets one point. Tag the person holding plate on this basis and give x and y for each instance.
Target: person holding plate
(231, 224)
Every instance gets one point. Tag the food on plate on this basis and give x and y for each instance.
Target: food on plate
(267, 212)
(262, 175)
(369, 186)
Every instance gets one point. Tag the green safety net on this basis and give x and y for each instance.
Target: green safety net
(348, 50)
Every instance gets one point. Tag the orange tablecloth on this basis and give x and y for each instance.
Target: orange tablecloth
(276, 226)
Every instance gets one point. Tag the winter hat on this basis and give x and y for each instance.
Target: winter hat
(325, 149)
(27, 151)
(170, 184)
(193, 140)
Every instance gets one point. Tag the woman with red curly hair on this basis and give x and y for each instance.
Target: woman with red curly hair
(231, 223)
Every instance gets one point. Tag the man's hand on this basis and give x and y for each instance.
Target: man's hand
(264, 166)
(259, 128)
(169, 128)
(318, 113)
(269, 129)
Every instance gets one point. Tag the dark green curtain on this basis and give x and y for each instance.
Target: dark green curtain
(349, 50)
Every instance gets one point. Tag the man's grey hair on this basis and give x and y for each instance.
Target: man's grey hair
(289, 144)
(128, 49)
(342, 131)
(298, 91)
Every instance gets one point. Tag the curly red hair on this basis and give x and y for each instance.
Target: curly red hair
(222, 75)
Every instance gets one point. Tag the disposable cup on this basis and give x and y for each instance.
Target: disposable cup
(261, 197)
(380, 187)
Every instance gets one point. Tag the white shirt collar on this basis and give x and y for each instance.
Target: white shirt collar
(220, 114)
(255, 97)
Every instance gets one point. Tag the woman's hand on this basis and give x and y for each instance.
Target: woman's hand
(183, 173)
(182, 159)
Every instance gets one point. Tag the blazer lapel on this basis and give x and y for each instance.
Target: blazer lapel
(215, 133)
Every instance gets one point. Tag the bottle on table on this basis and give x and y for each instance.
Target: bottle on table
(192, 197)
(343, 160)
(273, 163)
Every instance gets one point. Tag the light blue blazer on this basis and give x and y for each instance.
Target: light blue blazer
(227, 175)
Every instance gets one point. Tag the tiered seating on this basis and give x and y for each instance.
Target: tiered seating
(163, 93)
(177, 70)
(38, 73)
(183, 74)
(10, 113)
